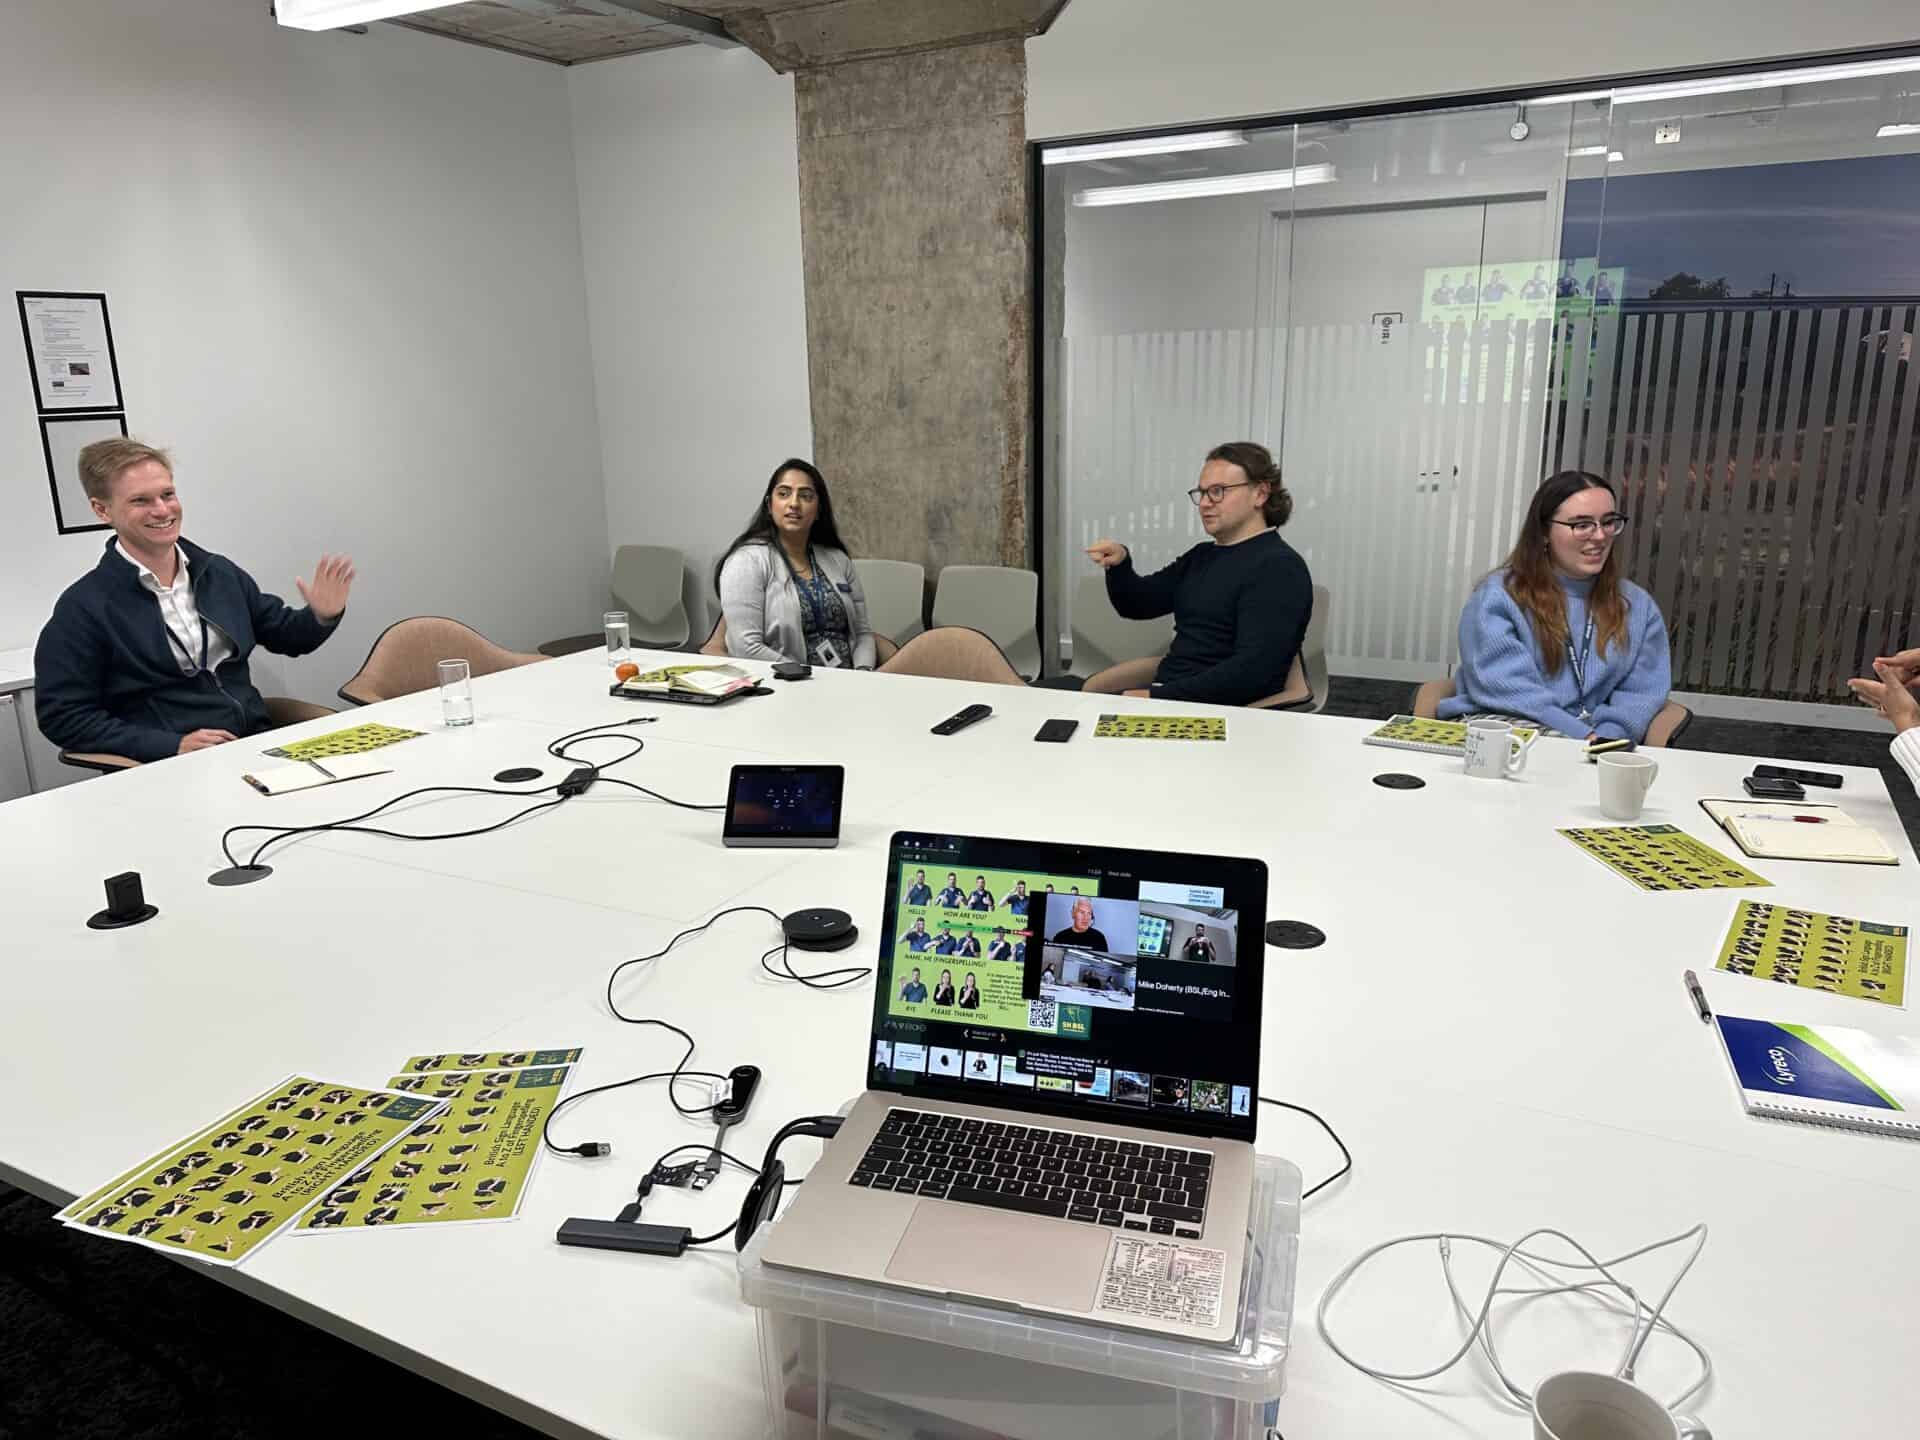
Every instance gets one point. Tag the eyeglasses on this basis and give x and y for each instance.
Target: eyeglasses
(1586, 526)
(1215, 493)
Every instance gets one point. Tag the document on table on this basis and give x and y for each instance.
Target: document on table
(229, 1187)
(1814, 951)
(472, 1162)
(355, 740)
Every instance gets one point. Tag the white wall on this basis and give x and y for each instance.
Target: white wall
(344, 274)
(1123, 64)
(690, 222)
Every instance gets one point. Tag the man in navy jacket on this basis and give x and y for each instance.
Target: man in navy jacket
(146, 655)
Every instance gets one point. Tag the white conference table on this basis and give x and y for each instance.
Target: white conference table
(1496, 1025)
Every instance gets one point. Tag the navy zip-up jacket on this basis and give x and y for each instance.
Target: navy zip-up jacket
(105, 678)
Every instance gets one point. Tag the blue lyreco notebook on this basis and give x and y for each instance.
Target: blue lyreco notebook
(1824, 1076)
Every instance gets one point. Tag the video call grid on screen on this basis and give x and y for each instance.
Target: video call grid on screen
(992, 978)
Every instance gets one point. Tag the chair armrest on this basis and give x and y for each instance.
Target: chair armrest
(1127, 675)
(1297, 693)
(571, 645)
(284, 710)
(103, 763)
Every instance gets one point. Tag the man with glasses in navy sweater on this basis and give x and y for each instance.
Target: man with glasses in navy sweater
(146, 655)
(1240, 604)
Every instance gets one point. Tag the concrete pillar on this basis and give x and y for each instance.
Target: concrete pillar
(914, 231)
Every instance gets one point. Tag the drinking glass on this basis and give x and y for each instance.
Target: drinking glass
(456, 692)
(616, 626)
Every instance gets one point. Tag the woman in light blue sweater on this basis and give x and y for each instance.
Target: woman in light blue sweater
(1556, 636)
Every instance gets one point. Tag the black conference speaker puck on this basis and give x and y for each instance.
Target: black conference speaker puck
(1294, 934)
(820, 929)
(1395, 781)
(517, 774)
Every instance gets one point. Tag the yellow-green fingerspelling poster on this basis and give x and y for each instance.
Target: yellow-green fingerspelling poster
(1816, 951)
(233, 1185)
(473, 1162)
(488, 1059)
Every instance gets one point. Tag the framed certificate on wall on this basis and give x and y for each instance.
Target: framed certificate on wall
(70, 350)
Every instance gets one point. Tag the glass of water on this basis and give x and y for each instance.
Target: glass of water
(456, 692)
(616, 624)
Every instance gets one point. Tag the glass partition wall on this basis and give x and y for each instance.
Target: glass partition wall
(1705, 291)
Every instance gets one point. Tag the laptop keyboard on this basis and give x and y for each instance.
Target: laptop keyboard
(1038, 1170)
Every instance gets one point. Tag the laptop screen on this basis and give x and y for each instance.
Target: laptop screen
(1119, 985)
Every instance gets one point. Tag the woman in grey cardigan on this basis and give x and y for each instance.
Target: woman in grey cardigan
(787, 586)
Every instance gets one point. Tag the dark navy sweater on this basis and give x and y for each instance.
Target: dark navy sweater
(105, 678)
(1240, 613)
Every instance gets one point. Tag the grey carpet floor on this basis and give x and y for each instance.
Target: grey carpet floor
(114, 1342)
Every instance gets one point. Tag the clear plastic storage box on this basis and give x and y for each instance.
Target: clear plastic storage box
(847, 1361)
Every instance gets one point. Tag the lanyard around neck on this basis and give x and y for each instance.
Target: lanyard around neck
(180, 645)
(1578, 662)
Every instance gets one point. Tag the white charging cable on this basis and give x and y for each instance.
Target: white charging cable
(1645, 1319)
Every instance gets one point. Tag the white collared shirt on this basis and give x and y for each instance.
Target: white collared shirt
(181, 615)
(1906, 749)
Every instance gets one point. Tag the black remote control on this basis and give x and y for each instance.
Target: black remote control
(953, 724)
(1804, 777)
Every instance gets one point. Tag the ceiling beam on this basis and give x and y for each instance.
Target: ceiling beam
(668, 19)
(831, 32)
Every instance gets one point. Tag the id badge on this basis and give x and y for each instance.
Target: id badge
(829, 656)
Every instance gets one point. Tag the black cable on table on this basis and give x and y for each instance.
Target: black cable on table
(1345, 1154)
(675, 1076)
(558, 749)
(680, 804)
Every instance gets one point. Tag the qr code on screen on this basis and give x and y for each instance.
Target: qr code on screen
(1041, 1016)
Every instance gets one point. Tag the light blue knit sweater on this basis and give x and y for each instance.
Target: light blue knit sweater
(1500, 669)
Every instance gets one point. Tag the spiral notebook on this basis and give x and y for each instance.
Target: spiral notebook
(1431, 737)
(1824, 1076)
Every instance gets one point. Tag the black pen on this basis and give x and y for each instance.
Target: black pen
(1699, 998)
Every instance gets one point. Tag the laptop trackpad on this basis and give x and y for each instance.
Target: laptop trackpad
(1001, 1256)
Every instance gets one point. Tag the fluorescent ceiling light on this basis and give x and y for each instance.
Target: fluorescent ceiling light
(1887, 132)
(1763, 80)
(332, 14)
(1146, 145)
(1249, 184)
(1614, 157)
(1725, 84)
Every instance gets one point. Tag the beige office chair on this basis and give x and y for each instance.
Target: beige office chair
(403, 660)
(716, 643)
(1671, 719)
(896, 592)
(1138, 675)
(1307, 678)
(1102, 639)
(1426, 700)
(1001, 603)
(281, 710)
(646, 584)
(953, 652)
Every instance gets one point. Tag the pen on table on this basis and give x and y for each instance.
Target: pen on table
(256, 784)
(1699, 998)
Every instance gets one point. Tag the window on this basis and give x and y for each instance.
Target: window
(1705, 291)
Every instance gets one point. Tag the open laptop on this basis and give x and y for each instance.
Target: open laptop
(1061, 1087)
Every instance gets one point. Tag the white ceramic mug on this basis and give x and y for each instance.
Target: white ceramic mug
(1493, 751)
(1580, 1405)
(1624, 782)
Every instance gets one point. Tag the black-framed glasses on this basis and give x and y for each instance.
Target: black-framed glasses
(1215, 493)
(1586, 526)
